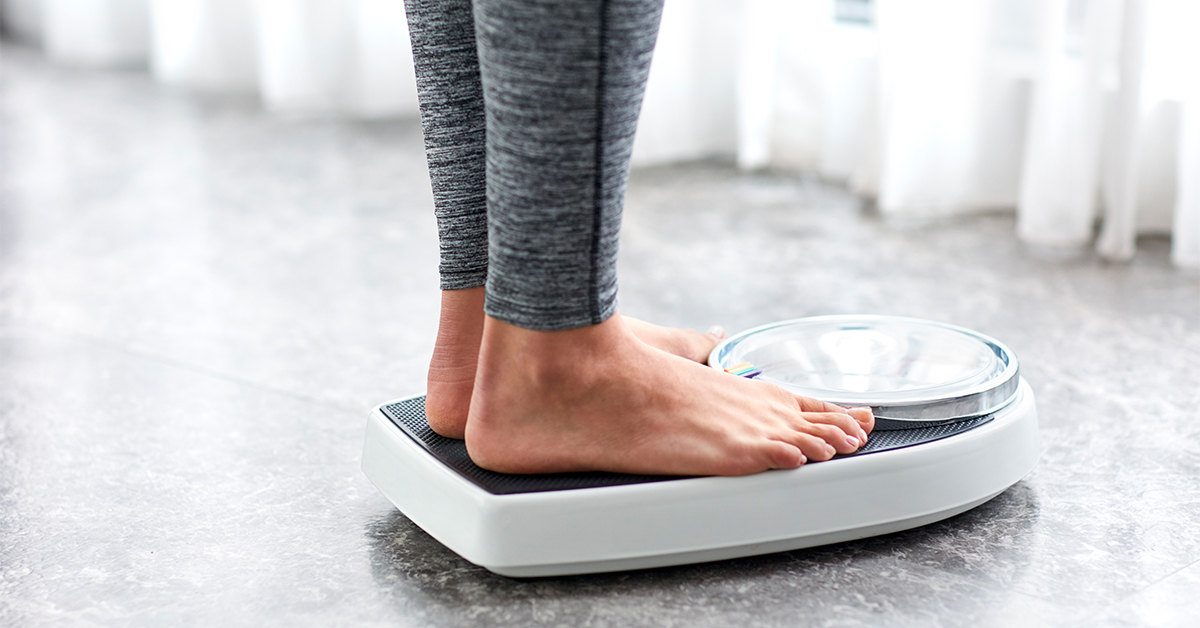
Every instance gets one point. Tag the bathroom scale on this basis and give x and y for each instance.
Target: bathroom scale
(955, 426)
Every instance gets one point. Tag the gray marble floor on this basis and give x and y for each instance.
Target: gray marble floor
(199, 303)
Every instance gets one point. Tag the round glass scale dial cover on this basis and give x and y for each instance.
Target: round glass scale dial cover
(906, 369)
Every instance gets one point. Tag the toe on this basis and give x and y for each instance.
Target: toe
(835, 441)
(782, 455)
(808, 404)
(841, 441)
(864, 417)
(847, 423)
(813, 447)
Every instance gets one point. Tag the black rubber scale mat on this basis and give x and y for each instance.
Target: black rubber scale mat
(409, 416)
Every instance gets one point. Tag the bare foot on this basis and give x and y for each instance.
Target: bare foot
(452, 368)
(599, 399)
(460, 330)
(685, 343)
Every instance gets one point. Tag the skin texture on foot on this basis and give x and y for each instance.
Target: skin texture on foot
(599, 399)
(452, 368)
(455, 354)
(685, 343)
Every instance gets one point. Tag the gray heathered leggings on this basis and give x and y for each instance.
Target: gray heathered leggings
(529, 109)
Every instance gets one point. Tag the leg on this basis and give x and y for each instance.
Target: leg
(562, 384)
(452, 118)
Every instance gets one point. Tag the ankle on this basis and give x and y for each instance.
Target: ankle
(545, 356)
(460, 326)
(461, 309)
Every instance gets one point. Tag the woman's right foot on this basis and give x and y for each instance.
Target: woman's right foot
(685, 343)
(452, 368)
(599, 399)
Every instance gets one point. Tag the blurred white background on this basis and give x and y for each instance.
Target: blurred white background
(1077, 113)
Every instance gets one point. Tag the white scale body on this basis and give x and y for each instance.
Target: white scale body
(688, 520)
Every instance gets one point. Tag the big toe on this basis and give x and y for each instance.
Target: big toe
(865, 418)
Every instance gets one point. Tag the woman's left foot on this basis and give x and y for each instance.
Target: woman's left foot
(451, 375)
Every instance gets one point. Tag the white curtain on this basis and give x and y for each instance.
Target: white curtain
(319, 55)
(1185, 245)
(352, 57)
(207, 45)
(95, 32)
(690, 104)
(1073, 112)
(301, 56)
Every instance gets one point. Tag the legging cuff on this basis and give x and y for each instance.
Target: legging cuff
(547, 318)
(461, 279)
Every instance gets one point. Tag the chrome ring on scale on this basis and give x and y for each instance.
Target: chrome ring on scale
(905, 369)
(956, 427)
